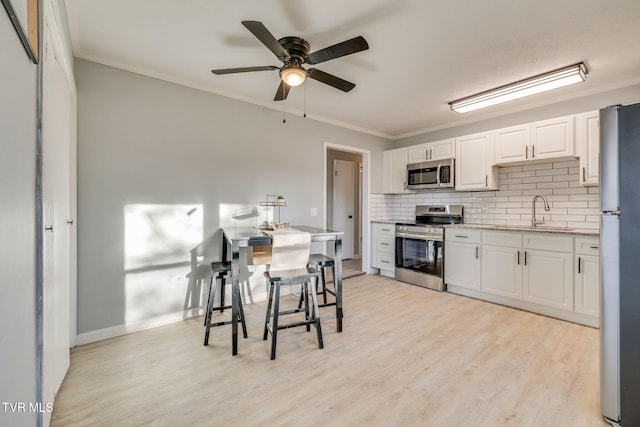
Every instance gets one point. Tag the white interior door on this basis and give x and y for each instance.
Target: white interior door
(344, 203)
(56, 140)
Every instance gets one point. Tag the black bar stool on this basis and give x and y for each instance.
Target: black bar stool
(321, 261)
(292, 277)
(220, 270)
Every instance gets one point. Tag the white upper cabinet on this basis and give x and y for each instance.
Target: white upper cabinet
(588, 147)
(474, 163)
(394, 170)
(547, 139)
(436, 150)
(512, 144)
(553, 138)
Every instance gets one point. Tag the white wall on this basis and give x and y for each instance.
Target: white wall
(17, 225)
(145, 141)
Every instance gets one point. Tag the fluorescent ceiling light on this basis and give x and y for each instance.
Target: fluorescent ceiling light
(552, 80)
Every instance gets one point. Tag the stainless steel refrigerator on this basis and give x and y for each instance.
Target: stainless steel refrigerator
(620, 264)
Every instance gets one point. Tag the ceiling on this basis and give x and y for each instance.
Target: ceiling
(422, 55)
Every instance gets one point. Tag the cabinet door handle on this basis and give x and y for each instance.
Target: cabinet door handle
(430, 154)
(595, 247)
(526, 152)
(477, 252)
(386, 262)
(486, 180)
(584, 175)
(533, 151)
(518, 257)
(384, 244)
(525, 257)
(579, 259)
(384, 229)
(462, 237)
(48, 227)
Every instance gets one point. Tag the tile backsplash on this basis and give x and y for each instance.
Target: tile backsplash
(571, 205)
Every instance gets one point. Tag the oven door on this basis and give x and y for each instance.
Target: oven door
(419, 254)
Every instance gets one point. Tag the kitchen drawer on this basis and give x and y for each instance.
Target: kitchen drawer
(386, 261)
(547, 242)
(386, 243)
(462, 235)
(587, 246)
(502, 238)
(386, 230)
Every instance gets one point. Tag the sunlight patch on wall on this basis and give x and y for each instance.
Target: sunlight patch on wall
(158, 238)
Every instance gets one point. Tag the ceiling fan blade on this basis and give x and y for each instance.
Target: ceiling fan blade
(244, 69)
(282, 92)
(356, 44)
(267, 39)
(330, 79)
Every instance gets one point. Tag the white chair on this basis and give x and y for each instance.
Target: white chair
(289, 266)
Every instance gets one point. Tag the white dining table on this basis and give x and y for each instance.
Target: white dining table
(235, 238)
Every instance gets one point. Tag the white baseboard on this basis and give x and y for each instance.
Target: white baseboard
(114, 331)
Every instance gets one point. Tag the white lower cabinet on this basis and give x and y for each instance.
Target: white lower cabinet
(548, 270)
(501, 263)
(501, 271)
(555, 275)
(462, 258)
(587, 276)
(548, 278)
(383, 248)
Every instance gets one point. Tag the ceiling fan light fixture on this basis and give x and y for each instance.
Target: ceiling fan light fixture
(293, 74)
(541, 83)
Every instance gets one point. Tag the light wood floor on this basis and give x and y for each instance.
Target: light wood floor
(350, 268)
(407, 356)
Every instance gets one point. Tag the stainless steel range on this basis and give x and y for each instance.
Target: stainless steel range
(419, 245)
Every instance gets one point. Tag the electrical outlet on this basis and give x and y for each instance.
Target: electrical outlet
(314, 211)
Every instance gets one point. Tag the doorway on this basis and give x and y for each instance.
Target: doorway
(346, 203)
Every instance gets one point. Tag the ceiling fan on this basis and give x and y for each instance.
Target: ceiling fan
(293, 52)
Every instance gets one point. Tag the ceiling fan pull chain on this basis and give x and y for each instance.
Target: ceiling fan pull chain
(284, 108)
(304, 94)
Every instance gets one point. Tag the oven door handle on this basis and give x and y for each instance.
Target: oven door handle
(419, 236)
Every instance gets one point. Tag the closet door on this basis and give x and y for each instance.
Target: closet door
(58, 164)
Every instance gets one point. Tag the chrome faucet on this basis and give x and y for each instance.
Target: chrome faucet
(534, 221)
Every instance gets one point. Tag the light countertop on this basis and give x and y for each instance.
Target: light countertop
(528, 229)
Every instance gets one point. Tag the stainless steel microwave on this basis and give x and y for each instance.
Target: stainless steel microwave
(431, 174)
